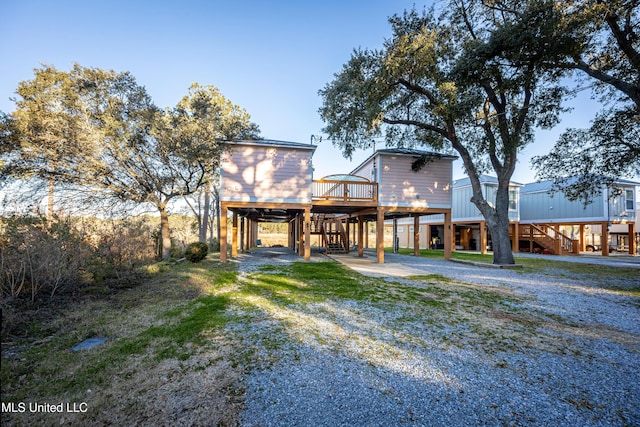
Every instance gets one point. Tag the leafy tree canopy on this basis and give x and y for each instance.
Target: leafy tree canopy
(443, 82)
(599, 43)
(99, 131)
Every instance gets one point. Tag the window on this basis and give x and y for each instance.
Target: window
(630, 204)
(513, 200)
(492, 193)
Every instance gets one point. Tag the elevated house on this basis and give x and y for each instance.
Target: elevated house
(542, 220)
(469, 226)
(268, 180)
(607, 223)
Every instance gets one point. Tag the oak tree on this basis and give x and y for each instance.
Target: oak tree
(598, 42)
(440, 82)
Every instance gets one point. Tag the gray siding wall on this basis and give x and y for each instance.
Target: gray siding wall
(550, 207)
(462, 209)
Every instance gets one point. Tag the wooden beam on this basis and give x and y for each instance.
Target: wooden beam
(300, 235)
(428, 235)
(361, 225)
(223, 233)
(632, 239)
(366, 233)
(307, 234)
(448, 232)
(416, 235)
(380, 235)
(604, 239)
(242, 235)
(483, 237)
(234, 235)
(452, 236)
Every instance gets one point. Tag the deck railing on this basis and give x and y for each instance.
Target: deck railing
(346, 191)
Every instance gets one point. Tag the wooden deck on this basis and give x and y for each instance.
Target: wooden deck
(330, 196)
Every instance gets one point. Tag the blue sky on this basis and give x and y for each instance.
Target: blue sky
(269, 57)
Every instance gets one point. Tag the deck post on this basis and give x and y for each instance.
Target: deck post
(483, 237)
(223, 233)
(416, 235)
(300, 235)
(604, 239)
(380, 235)
(452, 234)
(582, 241)
(234, 235)
(360, 236)
(427, 235)
(307, 234)
(347, 233)
(632, 238)
(366, 234)
(515, 243)
(448, 233)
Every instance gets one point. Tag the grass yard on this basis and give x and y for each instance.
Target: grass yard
(181, 342)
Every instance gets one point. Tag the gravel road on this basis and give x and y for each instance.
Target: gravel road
(351, 363)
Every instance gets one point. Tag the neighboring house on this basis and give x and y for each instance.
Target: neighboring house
(543, 220)
(268, 180)
(606, 223)
(469, 224)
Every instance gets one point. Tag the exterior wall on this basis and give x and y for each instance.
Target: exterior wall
(366, 170)
(619, 210)
(254, 173)
(462, 209)
(400, 186)
(554, 207)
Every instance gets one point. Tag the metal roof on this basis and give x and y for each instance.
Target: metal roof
(484, 179)
(405, 152)
(273, 143)
(414, 152)
(540, 186)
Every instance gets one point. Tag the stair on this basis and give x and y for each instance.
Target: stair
(333, 234)
(547, 237)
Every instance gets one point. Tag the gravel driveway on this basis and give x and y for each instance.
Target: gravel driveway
(351, 363)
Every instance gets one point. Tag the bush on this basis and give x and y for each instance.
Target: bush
(196, 252)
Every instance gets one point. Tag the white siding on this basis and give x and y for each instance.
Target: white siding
(400, 186)
(252, 173)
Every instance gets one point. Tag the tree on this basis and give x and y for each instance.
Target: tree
(204, 114)
(47, 132)
(601, 43)
(152, 156)
(441, 83)
(100, 132)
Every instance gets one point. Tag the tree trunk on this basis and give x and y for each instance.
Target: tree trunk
(204, 219)
(165, 232)
(502, 250)
(497, 219)
(217, 202)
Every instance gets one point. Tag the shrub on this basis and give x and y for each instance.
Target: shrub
(196, 252)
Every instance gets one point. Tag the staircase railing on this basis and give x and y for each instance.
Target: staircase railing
(548, 237)
(334, 235)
